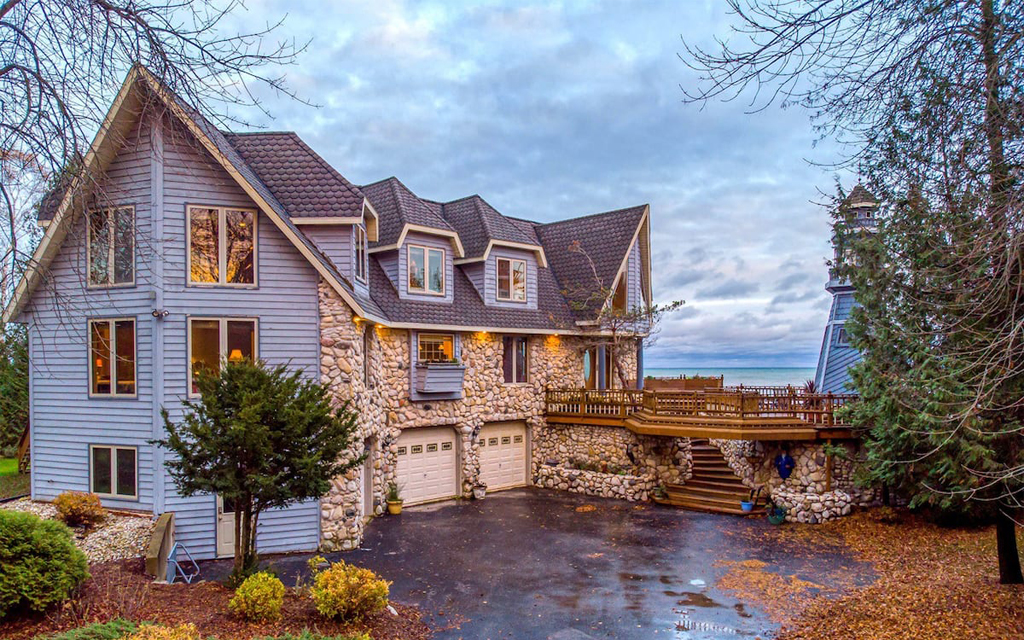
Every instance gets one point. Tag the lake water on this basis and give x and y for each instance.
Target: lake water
(752, 376)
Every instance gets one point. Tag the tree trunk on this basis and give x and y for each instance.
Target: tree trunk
(1006, 548)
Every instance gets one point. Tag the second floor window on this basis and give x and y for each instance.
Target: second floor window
(221, 246)
(212, 340)
(426, 270)
(511, 280)
(112, 247)
(361, 263)
(112, 357)
(514, 359)
(435, 347)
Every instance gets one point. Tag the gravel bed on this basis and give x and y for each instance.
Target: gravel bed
(120, 537)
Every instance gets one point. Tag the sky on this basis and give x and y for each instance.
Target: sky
(550, 110)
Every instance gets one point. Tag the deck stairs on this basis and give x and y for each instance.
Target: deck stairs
(713, 487)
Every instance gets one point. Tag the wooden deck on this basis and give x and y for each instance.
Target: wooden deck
(736, 413)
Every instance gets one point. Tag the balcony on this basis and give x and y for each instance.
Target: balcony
(737, 413)
(439, 378)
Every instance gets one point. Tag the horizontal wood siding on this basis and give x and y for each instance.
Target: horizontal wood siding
(337, 243)
(389, 263)
(475, 272)
(285, 304)
(425, 240)
(491, 278)
(65, 419)
(634, 282)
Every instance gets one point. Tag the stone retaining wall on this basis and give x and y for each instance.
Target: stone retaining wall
(595, 483)
(813, 508)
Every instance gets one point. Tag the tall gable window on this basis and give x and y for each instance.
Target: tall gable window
(434, 347)
(212, 340)
(361, 263)
(112, 357)
(514, 359)
(426, 270)
(112, 247)
(511, 280)
(221, 246)
(620, 301)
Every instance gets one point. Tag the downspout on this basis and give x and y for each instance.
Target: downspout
(156, 212)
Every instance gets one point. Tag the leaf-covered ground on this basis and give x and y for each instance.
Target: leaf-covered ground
(930, 582)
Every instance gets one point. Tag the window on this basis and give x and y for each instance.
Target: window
(512, 280)
(426, 270)
(112, 357)
(113, 471)
(436, 348)
(212, 340)
(620, 302)
(842, 339)
(514, 359)
(112, 247)
(221, 246)
(361, 263)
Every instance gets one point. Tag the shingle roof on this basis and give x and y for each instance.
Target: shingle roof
(302, 181)
(860, 194)
(604, 238)
(478, 222)
(398, 206)
(468, 309)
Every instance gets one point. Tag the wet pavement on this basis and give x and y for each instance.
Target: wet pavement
(534, 563)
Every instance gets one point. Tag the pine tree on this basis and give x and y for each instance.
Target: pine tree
(260, 437)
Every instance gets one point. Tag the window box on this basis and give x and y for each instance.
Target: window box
(440, 377)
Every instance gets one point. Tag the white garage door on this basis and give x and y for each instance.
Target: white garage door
(426, 464)
(503, 455)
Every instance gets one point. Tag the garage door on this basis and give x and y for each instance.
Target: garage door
(503, 455)
(426, 464)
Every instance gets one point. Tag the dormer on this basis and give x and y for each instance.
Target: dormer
(416, 247)
(502, 254)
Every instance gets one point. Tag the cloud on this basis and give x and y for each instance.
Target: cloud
(550, 110)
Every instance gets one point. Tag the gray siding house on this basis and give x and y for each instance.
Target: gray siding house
(443, 322)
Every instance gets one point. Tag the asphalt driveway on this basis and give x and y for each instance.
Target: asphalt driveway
(533, 563)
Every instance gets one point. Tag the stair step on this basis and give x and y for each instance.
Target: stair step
(701, 506)
(730, 494)
(710, 500)
(716, 474)
(717, 483)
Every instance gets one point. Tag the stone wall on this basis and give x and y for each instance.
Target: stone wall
(813, 508)
(595, 483)
(381, 398)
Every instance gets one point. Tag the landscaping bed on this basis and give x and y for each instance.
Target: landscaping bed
(119, 537)
(930, 582)
(122, 590)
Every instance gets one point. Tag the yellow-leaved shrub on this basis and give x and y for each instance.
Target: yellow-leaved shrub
(187, 631)
(346, 592)
(258, 598)
(75, 508)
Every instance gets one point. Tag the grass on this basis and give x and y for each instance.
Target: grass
(8, 467)
(12, 483)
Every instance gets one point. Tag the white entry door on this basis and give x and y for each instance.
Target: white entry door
(427, 467)
(225, 528)
(503, 455)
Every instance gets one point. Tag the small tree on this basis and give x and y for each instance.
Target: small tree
(618, 324)
(261, 437)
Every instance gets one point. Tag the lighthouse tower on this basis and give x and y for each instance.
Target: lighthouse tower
(836, 354)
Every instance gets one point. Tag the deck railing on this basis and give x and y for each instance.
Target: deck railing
(749, 404)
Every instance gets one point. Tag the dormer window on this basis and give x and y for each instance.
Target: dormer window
(426, 270)
(511, 280)
(361, 264)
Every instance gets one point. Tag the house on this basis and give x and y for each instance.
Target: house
(837, 355)
(442, 322)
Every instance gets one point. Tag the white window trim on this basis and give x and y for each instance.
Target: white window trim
(222, 339)
(497, 280)
(110, 284)
(222, 248)
(362, 247)
(426, 270)
(113, 471)
(435, 334)
(112, 322)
